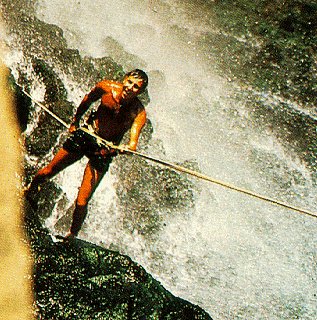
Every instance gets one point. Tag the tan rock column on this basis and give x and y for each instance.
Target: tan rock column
(15, 283)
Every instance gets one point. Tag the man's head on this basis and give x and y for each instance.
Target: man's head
(134, 83)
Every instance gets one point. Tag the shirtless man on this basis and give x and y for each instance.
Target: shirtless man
(119, 111)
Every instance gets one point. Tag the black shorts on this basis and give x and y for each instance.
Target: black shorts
(84, 144)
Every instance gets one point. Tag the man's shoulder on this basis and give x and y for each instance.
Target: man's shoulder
(109, 85)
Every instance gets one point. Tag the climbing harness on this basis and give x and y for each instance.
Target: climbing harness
(175, 166)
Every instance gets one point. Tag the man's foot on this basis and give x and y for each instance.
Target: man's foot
(69, 236)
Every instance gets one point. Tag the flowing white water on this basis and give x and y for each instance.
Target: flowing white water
(236, 257)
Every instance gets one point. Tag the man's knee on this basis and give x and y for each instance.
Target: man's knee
(82, 201)
(46, 172)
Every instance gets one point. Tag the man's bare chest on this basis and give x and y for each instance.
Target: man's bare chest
(111, 112)
(109, 103)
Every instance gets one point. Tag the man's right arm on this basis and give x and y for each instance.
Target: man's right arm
(89, 98)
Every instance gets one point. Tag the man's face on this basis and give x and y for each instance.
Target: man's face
(131, 87)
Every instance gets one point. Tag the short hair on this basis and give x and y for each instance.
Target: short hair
(139, 74)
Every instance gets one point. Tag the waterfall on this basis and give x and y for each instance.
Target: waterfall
(235, 256)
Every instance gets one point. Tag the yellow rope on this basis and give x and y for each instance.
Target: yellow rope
(180, 168)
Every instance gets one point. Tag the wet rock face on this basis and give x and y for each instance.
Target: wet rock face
(272, 45)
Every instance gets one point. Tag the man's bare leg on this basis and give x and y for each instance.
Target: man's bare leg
(61, 160)
(91, 180)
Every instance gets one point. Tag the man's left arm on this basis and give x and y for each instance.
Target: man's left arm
(136, 128)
